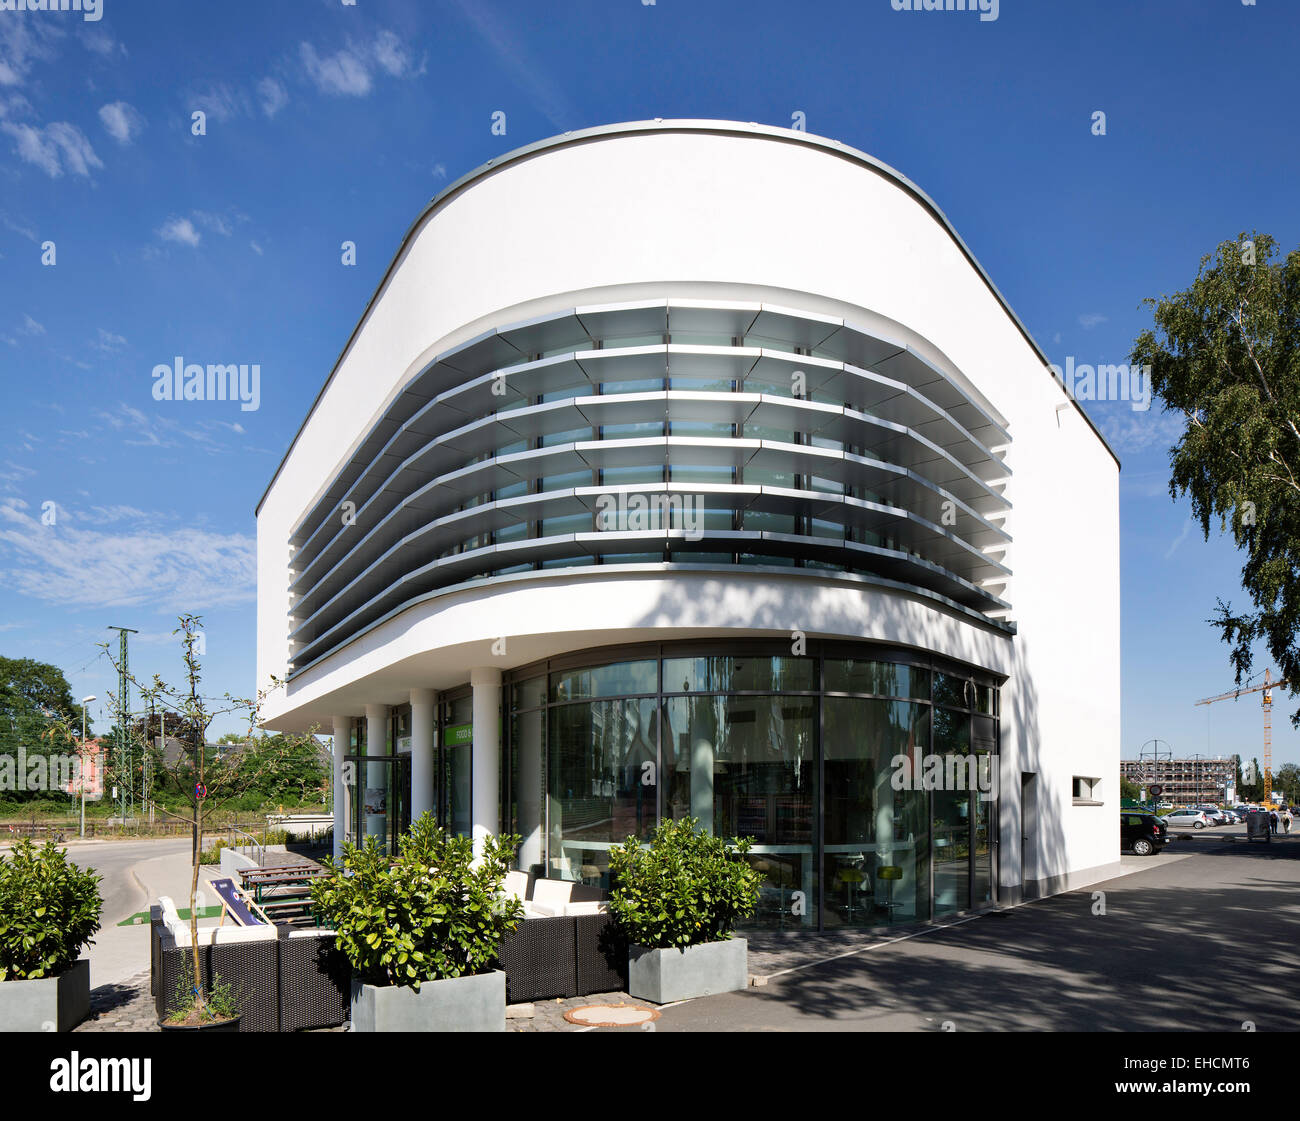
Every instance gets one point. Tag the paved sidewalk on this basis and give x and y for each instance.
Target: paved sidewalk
(123, 1006)
(1216, 930)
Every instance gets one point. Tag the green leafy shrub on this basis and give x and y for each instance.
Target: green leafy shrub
(219, 1003)
(49, 911)
(429, 914)
(684, 888)
(213, 855)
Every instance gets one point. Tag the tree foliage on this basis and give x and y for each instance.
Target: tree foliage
(1287, 781)
(35, 696)
(1225, 354)
(431, 913)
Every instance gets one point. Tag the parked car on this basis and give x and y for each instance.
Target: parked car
(1234, 818)
(1215, 815)
(1195, 818)
(1143, 833)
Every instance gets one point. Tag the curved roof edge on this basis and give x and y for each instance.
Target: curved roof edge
(736, 128)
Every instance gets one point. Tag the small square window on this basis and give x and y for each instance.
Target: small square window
(1087, 791)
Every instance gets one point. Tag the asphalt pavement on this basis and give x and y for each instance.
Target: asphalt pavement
(1206, 938)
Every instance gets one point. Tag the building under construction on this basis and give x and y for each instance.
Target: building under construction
(1189, 780)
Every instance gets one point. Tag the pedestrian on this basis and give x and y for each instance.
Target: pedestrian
(1272, 821)
(1286, 821)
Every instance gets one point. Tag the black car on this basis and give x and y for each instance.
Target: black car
(1143, 833)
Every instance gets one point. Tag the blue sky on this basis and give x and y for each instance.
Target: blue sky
(329, 122)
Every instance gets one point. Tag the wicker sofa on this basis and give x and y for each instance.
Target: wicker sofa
(567, 945)
(285, 979)
(290, 979)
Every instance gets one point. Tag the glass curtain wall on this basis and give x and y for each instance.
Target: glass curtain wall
(455, 763)
(802, 754)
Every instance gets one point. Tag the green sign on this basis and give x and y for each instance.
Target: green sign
(457, 735)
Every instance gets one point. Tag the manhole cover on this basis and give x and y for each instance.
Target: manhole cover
(611, 1015)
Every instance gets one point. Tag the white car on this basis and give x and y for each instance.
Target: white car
(1216, 816)
(1195, 818)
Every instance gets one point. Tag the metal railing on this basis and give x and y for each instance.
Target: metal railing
(247, 847)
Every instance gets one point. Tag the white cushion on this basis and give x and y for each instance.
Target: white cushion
(587, 907)
(551, 896)
(232, 933)
(516, 884)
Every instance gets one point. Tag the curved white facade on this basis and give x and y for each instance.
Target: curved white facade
(785, 344)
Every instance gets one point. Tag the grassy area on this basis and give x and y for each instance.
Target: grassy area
(141, 918)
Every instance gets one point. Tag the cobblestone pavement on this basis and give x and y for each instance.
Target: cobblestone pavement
(127, 1006)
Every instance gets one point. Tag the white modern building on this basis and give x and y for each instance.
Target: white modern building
(693, 468)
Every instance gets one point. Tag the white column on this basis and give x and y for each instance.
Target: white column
(485, 790)
(422, 729)
(342, 740)
(377, 773)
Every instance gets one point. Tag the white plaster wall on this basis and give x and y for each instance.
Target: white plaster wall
(756, 215)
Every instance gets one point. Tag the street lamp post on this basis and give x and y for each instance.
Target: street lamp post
(82, 776)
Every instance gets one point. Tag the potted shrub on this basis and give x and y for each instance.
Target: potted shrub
(678, 899)
(195, 1010)
(422, 930)
(49, 911)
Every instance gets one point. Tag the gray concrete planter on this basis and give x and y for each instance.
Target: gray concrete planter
(663, 976)
(49, 1004)
(457, 1004)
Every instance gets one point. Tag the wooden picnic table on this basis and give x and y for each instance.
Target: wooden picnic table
(274, 870)
(275, 883)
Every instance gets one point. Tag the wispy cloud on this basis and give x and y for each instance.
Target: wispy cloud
(214, 222)
(107, 342)
(1188, 526)
(348, 71)
(56, 148)
(24, 42)
(1092, 319)
(31, 327)
(272, 95)
(140, 564)
(158, 430)
(543, 91)
(122, 121)
(219, 102)
(101, 43)
(12, 474)
(21, 231)
(180, 230)
(391, 55)
(1130, 432)
(342, 73)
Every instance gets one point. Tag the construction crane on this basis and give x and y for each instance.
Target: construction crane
(1268, 687)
